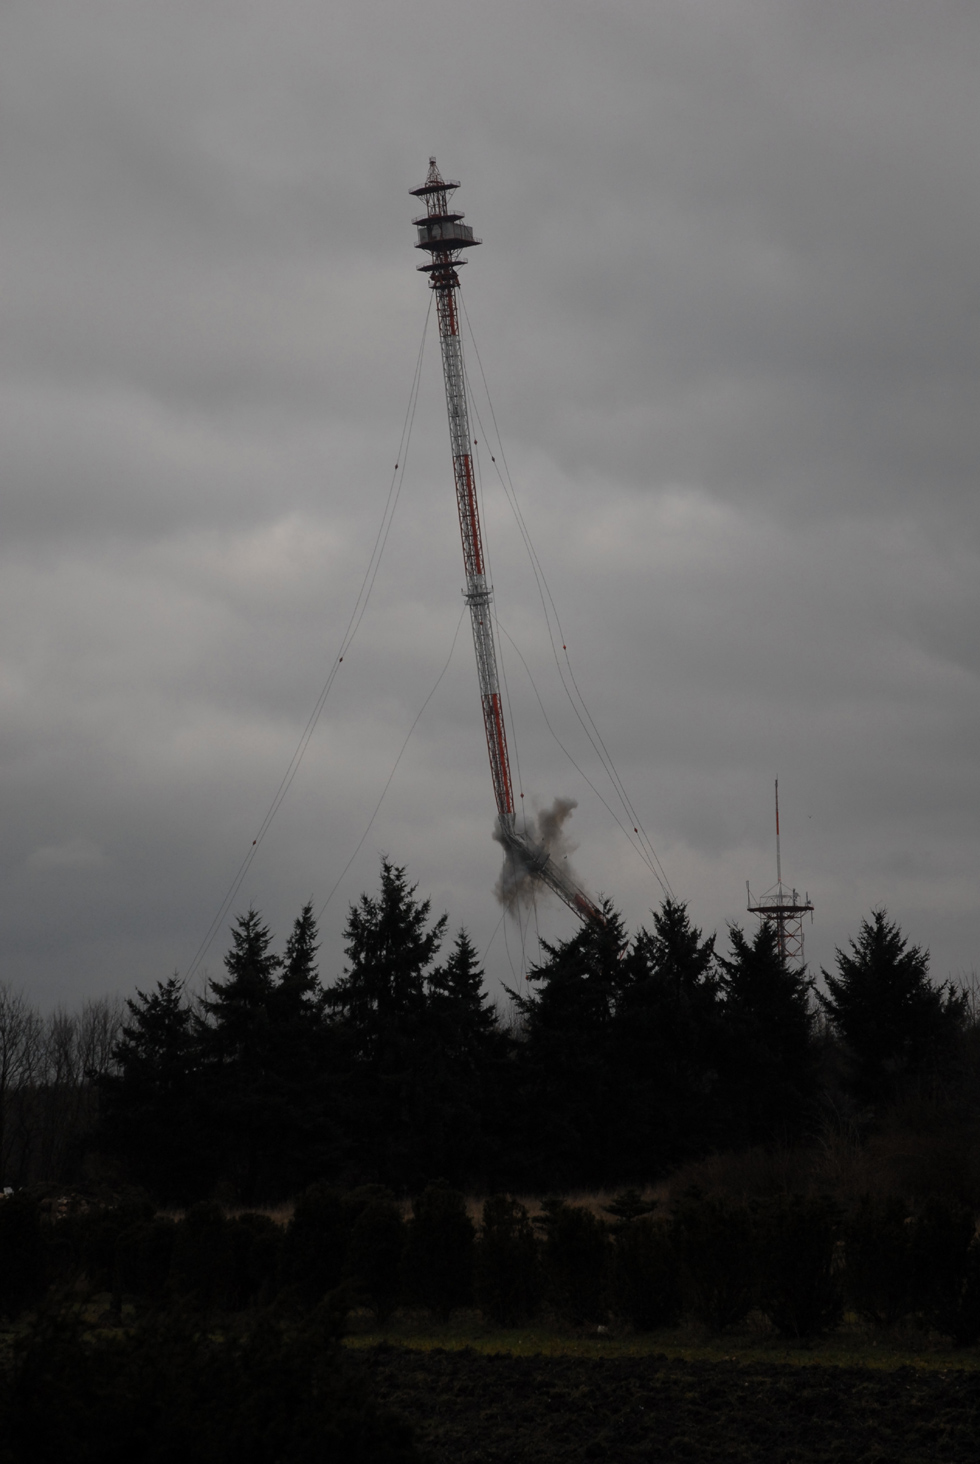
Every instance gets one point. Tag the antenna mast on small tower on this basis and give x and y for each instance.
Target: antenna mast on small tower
(784, 910)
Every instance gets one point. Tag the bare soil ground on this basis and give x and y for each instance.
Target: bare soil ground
(474, 1408)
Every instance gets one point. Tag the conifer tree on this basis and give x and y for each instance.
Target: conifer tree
(677, 953)
(896, 1025)
(273, 1069)
(390, 950)
(238, 1007)
(666, 1048)
(566, 1059)
(508, 1264)
(465, 1052)
(299, 986)
(771, 1064)
(307, 1064)
(457, 996)
(381, 1001)
(237, 1039)
(148, 1105)
(439, 1250)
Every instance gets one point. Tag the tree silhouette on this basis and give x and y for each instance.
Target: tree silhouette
(236, 1039)
(771, 1068)
(149, 1106)
(381, 1001)
(298, 988)
(465, 1056)
(306, 1065)
(569, 1083)
(896, 1026)
(390, 951)
(667, 1046)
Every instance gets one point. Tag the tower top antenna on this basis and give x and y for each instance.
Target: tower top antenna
(779, 863)
(434, 183)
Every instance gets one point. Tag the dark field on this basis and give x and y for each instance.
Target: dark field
(472, 1408)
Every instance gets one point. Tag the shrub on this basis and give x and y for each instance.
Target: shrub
(143, 1258)
(170, 1390)
(799, 1283)
(95, 1237)
(508, 1267)
(716, 1245)
(439, 1251)
(646, 1283)
(374, 1257)
(356, 1201)
(256, 1243)
(946, 1270)
(628, 1205)
(575, 1253)
(21, 1254)
(202, 1272)
(878, 1260)
(315, 1245)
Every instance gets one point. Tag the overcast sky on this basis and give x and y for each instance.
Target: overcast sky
(727, 306)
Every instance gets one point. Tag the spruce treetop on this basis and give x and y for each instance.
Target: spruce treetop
(250, 964)
(892, 1019)
(675, 950)
(758, 983)
(390, 947)
(298, 992)
(459, 984)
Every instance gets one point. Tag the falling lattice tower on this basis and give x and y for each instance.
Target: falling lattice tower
(443, 235)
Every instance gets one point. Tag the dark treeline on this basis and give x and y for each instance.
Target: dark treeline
(625, 1057)
(216, 1336)
(49, 1071)
(799, 1261)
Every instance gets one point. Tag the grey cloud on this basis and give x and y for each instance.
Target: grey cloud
(727, 306)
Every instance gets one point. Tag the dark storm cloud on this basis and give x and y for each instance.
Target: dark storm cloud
(727, 304)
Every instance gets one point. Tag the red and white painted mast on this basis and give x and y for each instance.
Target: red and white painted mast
(443, 235)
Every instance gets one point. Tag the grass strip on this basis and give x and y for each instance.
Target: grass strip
(856, 1349)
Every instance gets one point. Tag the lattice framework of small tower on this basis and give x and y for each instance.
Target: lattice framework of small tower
(784, 908)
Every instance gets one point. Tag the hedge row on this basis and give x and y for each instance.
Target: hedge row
(799, 1261)
(258, 1390)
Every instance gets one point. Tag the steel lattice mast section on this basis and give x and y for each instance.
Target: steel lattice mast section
(443, 235)
(784, 909)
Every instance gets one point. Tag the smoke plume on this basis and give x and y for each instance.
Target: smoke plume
(520, 883)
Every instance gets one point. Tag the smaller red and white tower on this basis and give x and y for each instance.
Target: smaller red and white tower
(784, 909)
